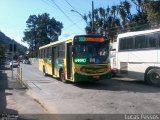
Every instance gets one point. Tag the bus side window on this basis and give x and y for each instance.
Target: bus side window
(47, 52)
(159, 39)
(61, 51)
(123, 44)
(140, 42)
(126, 43)
(152, 40)
(130, 43)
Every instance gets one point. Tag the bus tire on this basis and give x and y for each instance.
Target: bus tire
(153, 77)
(113, 74)
(61, 76)
(44, 71)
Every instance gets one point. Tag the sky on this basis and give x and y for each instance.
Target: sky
(14, 14)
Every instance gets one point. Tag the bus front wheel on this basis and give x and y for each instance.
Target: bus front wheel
(153, 76)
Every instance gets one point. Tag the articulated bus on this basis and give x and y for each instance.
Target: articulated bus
(78, 58)
(137, 55)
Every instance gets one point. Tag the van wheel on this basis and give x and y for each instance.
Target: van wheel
(44, 71)
(62, 76)
(153, 77)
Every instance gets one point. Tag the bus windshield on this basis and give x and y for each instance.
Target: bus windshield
(91, 52)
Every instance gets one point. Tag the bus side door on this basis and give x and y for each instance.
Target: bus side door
(69, 60)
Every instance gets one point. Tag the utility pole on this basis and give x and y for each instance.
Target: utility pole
(93, 30)
(12, 58)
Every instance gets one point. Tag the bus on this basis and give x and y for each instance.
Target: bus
(113, 58)
(137, 55)
(77, 58)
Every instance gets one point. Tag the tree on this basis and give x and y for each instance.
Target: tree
(106, 21)
(152, 9)
(41, 30)
(2, 51)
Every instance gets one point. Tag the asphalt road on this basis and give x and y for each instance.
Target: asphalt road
(114, 96)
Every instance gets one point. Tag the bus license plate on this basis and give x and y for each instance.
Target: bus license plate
(97, 77)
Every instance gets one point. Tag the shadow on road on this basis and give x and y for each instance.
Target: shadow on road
(4, 94)
(119, 85)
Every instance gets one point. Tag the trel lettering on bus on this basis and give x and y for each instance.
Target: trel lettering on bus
(80, 60)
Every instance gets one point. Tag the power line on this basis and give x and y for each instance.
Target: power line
(63, 5)
(73, 24)
(70, 26)
(70, 4)
(45, 2)
(64, 14)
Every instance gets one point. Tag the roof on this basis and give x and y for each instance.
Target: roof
(137, 33)
(59, 41)
(64, 40)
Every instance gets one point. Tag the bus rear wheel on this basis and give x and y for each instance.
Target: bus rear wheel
(61, 75)
(153, 76)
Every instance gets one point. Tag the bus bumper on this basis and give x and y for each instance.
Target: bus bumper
(81, 78)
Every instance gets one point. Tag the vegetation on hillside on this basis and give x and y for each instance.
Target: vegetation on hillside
(5, 43)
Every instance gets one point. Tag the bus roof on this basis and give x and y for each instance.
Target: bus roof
(59, 41)
(64, 40)
(137, 33)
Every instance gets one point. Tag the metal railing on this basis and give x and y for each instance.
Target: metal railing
(19, 78)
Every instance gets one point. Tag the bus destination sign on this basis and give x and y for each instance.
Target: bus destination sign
(89, 39)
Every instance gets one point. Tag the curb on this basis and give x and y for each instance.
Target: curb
(45, 104)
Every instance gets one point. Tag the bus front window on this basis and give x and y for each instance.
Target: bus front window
(93, 53)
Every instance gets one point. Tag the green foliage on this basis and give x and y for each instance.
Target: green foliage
(152, 8)
(5, 46)
(2, 51)
(116, 19)
(41, 30)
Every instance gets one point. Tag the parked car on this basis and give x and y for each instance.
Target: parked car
(26, 62)
(23, 61)
(13, 64)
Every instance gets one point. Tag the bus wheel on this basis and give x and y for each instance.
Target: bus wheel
(44, 71)
(61, 74)
(153, 77)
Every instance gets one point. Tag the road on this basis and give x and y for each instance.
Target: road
(15, 101)
(114, 96)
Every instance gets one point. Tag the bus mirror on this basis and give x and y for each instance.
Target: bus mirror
(73, 48)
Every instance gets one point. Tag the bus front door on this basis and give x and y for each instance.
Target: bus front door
(69, 60)
(54, 56)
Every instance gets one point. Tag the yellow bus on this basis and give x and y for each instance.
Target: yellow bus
(78, 58)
